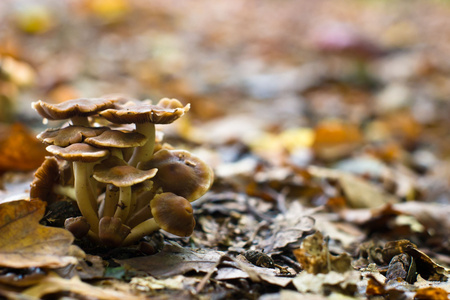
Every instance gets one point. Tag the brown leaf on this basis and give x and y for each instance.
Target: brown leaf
(54, 284)
(25, 243)
(315, 257)
(174, 260)
(20, 150)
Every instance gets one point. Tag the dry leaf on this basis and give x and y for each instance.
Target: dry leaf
(315, 257)
(20, 150)
(358, 192)
(54, 284)
(25, 243)
(174, 260)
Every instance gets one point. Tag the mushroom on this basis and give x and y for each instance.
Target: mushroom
(68, 135)
(84, 158)
(171, 213)
(78, 226)
(116, 139)
(77, 110)
(145, 116)
(112, 231)
(181, 173)
(45, 184)
(117, 172)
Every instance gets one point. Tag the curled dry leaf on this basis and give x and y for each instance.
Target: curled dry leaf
(25, 243)
(20, 150)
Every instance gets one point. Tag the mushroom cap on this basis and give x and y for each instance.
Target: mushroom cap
(76, 107)
(78, 152)
(78, 226)
(181, 173)
(44, 178)
(68, 135)
(173, 214)
(165, 112)
(119, 173)
(112, 232)
(117, 139)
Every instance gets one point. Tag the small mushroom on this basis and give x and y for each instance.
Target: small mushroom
(112, 231)
(83, 157)
(69, 135)
(181, 173)
(117, 172)
(78, 226)
(45, 184)
(115, 139)
(171, 213)
(145, 116)
(76, 109)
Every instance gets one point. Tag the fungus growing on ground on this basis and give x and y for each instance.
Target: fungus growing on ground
(171, 213)
(123, 187)
(145, 116)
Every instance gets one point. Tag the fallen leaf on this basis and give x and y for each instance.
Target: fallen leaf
(315, 257)
(323, 283)
(25, 243)
(54, 284)
(174, 260)
(20, 150)
(359, 193)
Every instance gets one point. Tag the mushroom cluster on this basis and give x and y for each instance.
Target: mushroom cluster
(110, 159)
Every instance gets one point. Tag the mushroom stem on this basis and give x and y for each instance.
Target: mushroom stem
(64, 190)
(80, 121)
(87, 202)
(111, 199)
(140, 216)
(141, 230)
(123, 208)
(144, 152)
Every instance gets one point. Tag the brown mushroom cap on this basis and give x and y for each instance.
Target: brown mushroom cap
(173, 214)
(69, 135)
(112, 232)
(165, 112)
(117, 139)
(76, 107)
(119, 173)
(44, 179)
(78, 152)
(181, 173)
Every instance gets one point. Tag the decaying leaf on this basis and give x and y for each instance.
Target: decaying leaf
(324, 283)
(358, 192)
(315, 257)
(20, 150)
(53, 284)
(174, 260)
(25, 243)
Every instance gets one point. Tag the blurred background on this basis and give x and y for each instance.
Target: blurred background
(298, 79)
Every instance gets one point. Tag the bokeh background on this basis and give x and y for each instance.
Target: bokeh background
(281, 76)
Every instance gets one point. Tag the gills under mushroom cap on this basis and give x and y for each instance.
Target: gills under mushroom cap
(44, 179)
(173, 214)
(180, 172)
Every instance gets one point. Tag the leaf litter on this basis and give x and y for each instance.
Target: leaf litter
(331, 164)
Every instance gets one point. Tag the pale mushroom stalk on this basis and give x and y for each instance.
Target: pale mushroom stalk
(83, 192)
(144, 153)
(80, 121)
(111, 199)
(141, 230)
(68, 191)
(140, 216)
(124, 205)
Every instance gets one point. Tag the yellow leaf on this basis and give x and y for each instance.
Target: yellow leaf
(24, 243)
